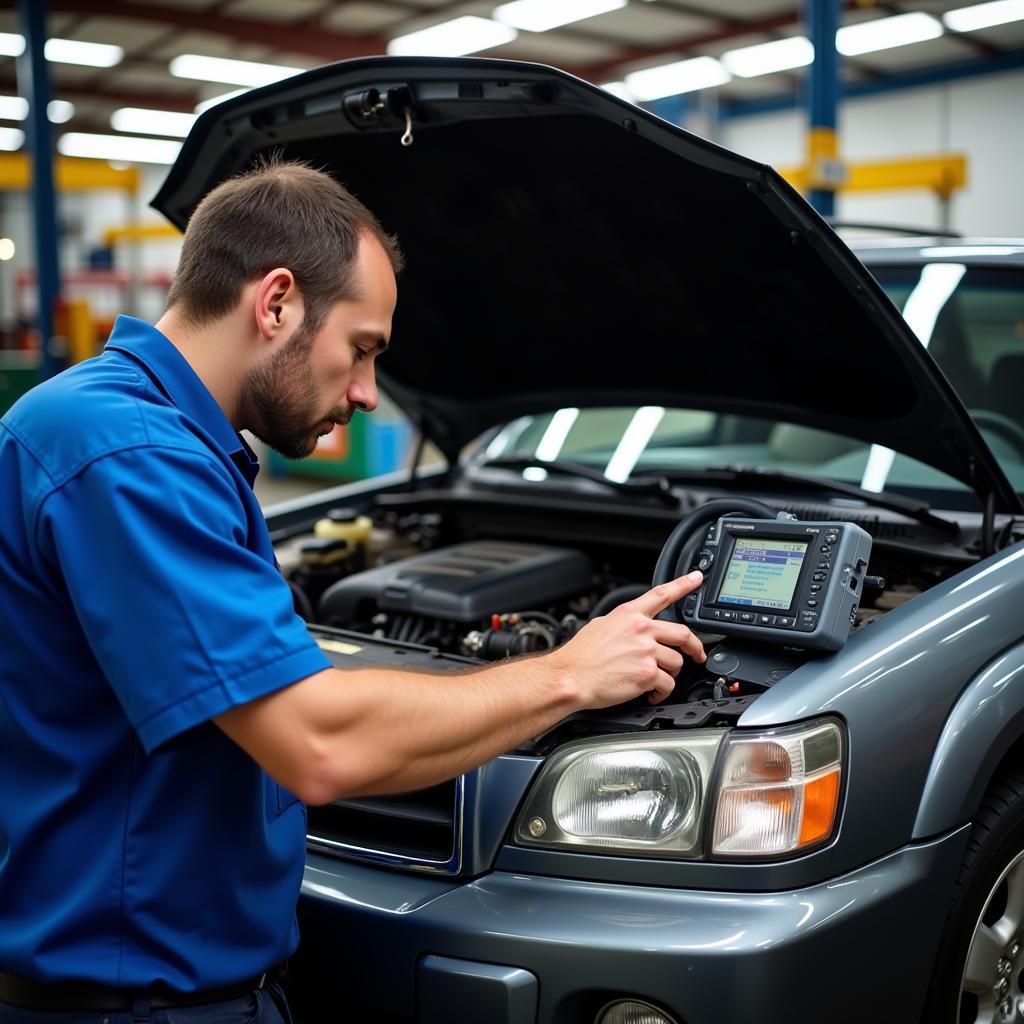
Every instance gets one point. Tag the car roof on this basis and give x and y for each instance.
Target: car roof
(976, 251)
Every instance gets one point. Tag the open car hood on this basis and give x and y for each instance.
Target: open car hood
(566, 248)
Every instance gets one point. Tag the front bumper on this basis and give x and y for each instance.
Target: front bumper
(553, 951)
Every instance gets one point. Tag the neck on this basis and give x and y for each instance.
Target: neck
(215, 352)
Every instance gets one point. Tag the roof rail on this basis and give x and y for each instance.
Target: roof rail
(894, 229)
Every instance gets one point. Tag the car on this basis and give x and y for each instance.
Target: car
(633, 351)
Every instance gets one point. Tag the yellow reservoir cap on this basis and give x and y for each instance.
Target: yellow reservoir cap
(346, 524)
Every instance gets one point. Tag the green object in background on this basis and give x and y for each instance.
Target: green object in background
(19, 372)
(368, 447)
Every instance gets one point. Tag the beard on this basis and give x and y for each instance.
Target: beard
(281, 399)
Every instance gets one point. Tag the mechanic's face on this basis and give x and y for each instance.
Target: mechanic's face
(319, 379)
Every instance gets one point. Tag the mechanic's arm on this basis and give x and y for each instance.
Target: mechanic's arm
(353, 733)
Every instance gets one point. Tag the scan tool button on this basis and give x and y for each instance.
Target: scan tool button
(766, 620)
(819, 577)
(824, 565)
(814, 588)
(728, 616)
(831, 538)
(825, 549)
(812, 602)
(784, 621)
(705, 560)
(746, 617)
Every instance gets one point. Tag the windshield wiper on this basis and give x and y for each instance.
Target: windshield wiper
(758, 476)
(659, 485)
(645, 486)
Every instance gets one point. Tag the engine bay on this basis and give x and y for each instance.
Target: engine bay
(445, 580)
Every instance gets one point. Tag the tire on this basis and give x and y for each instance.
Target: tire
(979, 968)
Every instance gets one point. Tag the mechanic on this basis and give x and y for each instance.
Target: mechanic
(163, 710)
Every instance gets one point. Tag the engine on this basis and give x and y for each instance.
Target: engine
(485, 598)
(407, 574)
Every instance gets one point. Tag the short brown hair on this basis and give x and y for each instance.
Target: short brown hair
(279, 214)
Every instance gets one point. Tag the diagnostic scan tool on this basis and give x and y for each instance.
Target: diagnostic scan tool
(780, 581)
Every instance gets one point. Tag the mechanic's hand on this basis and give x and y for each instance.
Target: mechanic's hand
(628, 652)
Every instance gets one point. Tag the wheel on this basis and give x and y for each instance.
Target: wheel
(979, 971)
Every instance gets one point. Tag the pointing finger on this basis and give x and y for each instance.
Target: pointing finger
(658, 598)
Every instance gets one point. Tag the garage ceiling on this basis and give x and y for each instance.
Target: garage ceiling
(305, 33)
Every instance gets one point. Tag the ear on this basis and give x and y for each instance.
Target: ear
(278, 305)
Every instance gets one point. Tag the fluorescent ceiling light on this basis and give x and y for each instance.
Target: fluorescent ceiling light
(453, 38)
(231, 72)
(11, 139)
(967, 19)
(886, 33)
(971, 250)
(541, 15)
(766, 58)
(65, 51)
(672, 79)
(924, 304)
(152, 122)
(937, 283)
(214, 100)
(554, 437)
(15, 108)
(60, 111)
(93, 55)
(11, 44)
(118, 147)
(640, 430)
(6, 249)
(619, 89)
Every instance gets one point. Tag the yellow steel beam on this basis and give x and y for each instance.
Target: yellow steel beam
(139, 233)
(824, 169)
(71, 174)
(942, 174)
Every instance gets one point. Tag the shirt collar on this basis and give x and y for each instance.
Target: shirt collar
(174, 376)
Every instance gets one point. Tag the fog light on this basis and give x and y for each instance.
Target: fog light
(632, 1011)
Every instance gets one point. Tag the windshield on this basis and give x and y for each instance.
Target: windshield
(970, 319)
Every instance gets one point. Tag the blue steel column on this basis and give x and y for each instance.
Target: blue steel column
(34, 85)
(822, 147)
(671, 108)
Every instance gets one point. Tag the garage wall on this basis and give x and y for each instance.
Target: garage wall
(979, 116)
(83, 217)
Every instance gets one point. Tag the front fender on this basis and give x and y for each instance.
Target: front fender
(896, 684)
(982, 726)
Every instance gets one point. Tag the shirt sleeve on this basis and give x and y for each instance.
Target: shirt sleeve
(184, 620)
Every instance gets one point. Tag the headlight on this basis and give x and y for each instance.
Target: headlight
(779, 791)
(642, 795)
(775, 792)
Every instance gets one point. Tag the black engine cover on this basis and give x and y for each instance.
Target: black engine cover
(464, 583)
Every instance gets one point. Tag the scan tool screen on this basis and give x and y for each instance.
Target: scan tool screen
(762, 572)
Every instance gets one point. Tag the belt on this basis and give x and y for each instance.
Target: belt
(27, 994)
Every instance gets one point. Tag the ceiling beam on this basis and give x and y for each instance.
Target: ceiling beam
(764, 25)
(307, 36)
(323, 44)
(155, 100)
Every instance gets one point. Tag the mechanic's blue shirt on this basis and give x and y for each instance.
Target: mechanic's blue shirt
(139, 598)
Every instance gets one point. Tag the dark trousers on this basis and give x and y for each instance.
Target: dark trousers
(266, 1006)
